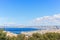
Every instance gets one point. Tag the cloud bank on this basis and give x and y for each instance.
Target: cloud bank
(47, 20)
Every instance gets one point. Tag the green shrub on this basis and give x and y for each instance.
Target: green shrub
(2, 35)
(35, 36)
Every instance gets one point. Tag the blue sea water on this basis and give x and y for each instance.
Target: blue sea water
(19, 30)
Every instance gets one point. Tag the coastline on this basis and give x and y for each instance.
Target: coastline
(10, 34)
(31, 32)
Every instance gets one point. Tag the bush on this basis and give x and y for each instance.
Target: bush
(46, 36)
(2, 35)
(35, 36)
(21, 37)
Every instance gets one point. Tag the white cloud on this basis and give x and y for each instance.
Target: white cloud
(47, 20)
(9, 22)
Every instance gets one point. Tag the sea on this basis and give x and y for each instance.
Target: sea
(19, 30)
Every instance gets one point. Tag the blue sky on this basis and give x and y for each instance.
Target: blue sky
(24, 11)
